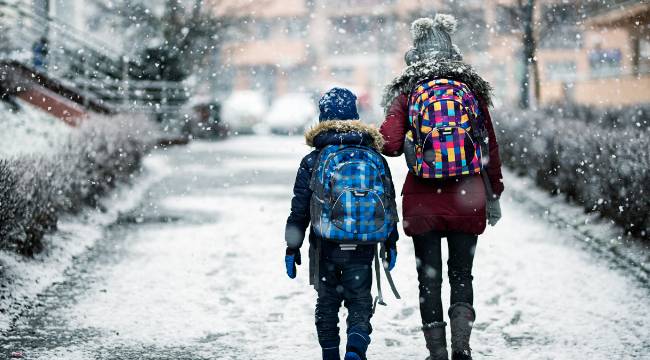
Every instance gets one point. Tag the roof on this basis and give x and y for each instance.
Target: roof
(621, 15)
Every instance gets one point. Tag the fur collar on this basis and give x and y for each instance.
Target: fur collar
(345, 126)
(436, 68)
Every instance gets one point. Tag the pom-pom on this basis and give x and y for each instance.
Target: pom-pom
(445, 23)
(421, 27)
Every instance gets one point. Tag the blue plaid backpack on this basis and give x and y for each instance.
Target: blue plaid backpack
(353, 200)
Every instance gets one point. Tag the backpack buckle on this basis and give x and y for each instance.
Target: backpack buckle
(360, 193)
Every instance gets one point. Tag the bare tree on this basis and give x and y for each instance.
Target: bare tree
(178, 41)
(529, 49)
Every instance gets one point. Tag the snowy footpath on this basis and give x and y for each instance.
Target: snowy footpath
(196, 272)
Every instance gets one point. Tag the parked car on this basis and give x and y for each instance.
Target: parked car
(243, 110)
(204, 121)
(291, 113)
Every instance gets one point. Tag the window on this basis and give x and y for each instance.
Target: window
(644, 56)
(564, 71)
(605, 62)
(263, 78)
(472, 33)
(362, 34)
(296, 28)
(261, 29)
(502, 81)
(349, 3)
(223, 79)
(507, 19)
(558, 28)
(342, 73)
(299, 79)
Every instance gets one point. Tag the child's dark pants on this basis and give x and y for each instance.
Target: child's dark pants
(345, 282)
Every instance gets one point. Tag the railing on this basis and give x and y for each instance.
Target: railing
(86, 64)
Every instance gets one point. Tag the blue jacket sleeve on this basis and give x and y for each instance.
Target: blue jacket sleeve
(391, 242)
(394, 234)
(299, 218)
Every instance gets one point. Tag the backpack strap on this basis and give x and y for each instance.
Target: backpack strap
(488, 186)
(412, 120)
(380, 260)
(479, 132)
(313, 182)
(316, 277)
(391, 283)
(379, 299)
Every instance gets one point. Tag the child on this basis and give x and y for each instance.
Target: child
(350, 204)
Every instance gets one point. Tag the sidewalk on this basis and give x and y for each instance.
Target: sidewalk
(196, 272)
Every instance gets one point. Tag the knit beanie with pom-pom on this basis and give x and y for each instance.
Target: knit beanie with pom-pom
(432, 37)
(338, 104)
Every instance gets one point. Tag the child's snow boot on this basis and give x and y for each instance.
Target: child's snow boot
(436, 340)
(461, 317)
(330, 350)
(350, 355)
(357, 345)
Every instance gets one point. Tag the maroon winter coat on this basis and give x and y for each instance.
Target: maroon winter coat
(443, 205)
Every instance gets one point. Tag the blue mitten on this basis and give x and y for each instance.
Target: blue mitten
(291, 259)
(391, 249)
(391, 258)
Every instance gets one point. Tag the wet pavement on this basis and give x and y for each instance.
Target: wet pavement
(196, 272)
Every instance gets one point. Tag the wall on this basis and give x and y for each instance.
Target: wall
(328, 53)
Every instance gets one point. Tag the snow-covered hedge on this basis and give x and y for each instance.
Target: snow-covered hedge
(602, 165)
(36, 189)
(613, 116)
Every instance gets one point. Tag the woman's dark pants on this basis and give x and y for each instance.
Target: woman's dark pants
(429, 266)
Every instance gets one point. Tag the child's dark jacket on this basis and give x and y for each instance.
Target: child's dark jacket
(328, 133)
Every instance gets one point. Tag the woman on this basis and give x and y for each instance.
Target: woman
(454, 207)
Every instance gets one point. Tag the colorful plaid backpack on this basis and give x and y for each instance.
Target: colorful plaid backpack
(445, 131)
(353, 200)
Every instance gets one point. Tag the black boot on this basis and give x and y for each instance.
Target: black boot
(434, 335)
(461, 318)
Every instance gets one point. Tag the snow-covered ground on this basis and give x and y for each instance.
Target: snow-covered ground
(24, 278)
(196, 272)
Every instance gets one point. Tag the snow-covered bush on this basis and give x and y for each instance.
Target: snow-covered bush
(36, 189)
(602, 165)
(614, 116)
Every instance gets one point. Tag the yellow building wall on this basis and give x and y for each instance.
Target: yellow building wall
(615, 91)
(500, 64)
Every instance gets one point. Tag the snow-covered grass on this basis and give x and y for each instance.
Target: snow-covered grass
(603, 165)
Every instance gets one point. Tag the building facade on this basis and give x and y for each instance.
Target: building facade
(597, 55)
